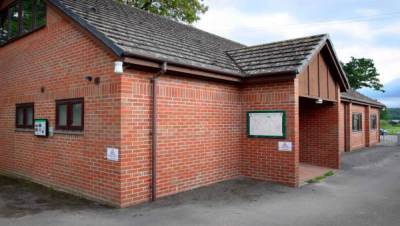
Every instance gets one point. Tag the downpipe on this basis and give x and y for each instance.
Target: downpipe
(163, 70)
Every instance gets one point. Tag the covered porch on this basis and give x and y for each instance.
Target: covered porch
(319, 138)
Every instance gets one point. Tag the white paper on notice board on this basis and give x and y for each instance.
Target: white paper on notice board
(266, 124)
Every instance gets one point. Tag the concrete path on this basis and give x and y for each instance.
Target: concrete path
(365, 192)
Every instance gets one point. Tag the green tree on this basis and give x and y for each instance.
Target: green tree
(362, 73)
(186, 11)
(384, 114)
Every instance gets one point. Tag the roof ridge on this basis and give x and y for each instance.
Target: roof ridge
(356, 95)
(315, 50)
(276, 42)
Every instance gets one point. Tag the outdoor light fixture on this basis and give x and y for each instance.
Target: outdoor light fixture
(319, 101)
(118, 67)
(97, 80)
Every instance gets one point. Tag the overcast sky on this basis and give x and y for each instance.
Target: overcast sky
(359, 28)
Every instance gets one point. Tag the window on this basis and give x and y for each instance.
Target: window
(374, 122)
(21, 17)
(357, 122)
(69, 114)
(24, 114)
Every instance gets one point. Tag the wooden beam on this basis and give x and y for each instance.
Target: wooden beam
(271, 78)
(316, 98)
(140, 62)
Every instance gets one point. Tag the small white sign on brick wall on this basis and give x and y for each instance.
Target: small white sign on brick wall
(113, 154)
(285, 146)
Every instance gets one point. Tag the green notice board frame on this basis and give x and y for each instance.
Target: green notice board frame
(266, 135)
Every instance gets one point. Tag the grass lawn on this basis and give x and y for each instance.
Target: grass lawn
(390, 128)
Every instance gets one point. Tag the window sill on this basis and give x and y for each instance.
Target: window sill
(24, 130)
(69, 132)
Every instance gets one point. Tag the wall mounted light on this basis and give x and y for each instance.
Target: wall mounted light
(319, 101)
(118, 67)
(97, 80)
(89, 78)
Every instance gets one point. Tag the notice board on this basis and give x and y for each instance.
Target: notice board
(268, 124)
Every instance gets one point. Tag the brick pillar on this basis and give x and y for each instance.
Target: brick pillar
(367, 128)
(348, 125)
(379, 126)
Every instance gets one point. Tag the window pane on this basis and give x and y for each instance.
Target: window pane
(62, 115)
(40, 13)
(374, 121)
(77, 115)
(13, 25)
(29, 115)
(27, 15)
(20, 116)
(357, 122)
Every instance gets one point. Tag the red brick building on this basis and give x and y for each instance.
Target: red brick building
(359, 121)
(186, 109)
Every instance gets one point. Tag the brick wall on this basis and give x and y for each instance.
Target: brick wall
(319, 133)
(260, 156)
(366, 137)
(198, 134)
(58, 58)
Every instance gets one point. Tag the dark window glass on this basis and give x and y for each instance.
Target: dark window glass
(69, 114)
(14, 21)
(20, 116)
(27, 16)
(20, 18)
(374, 122)
(77, 114)
(29, 116)
(24, 115)
(62, 114)
(40, 13)
(357, 122)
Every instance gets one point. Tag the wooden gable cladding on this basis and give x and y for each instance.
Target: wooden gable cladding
(316, 80)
